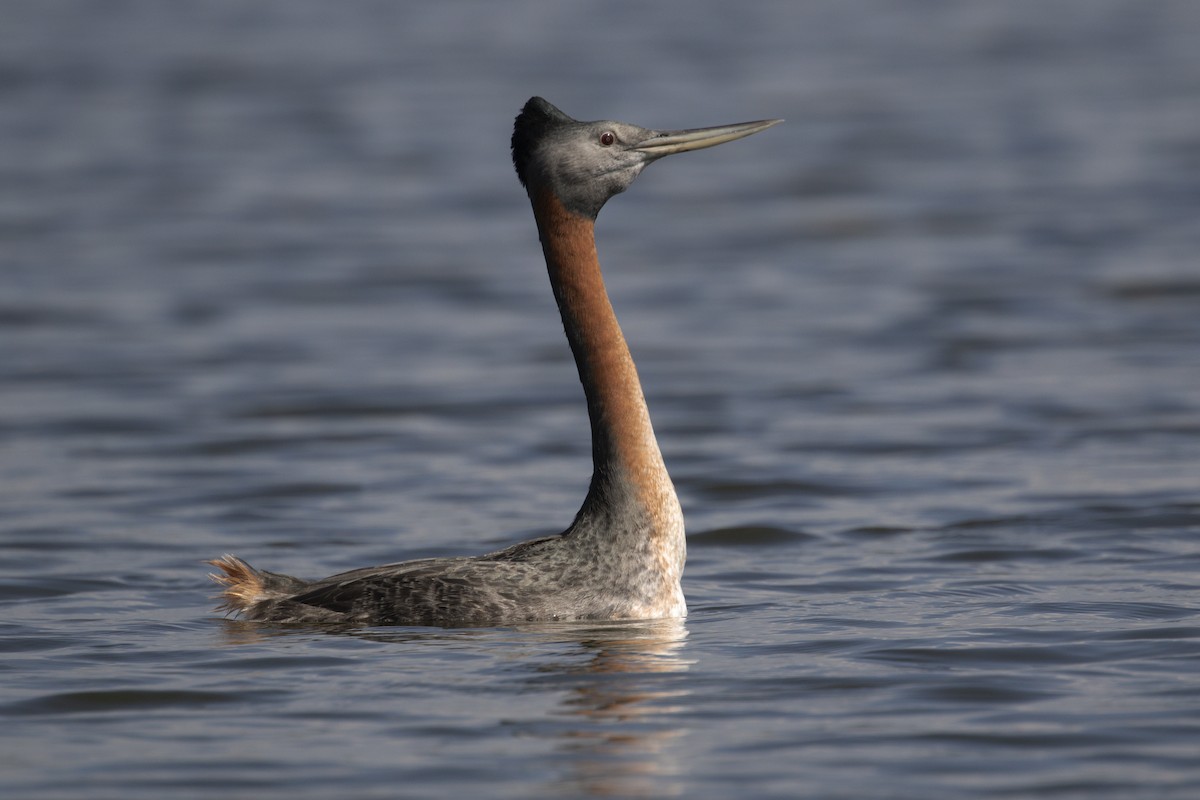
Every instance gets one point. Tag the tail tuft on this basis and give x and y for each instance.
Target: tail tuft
(243, 583)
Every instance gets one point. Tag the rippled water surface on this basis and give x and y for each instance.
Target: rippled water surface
(924, 362)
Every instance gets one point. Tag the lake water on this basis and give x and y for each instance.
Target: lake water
(924, 363)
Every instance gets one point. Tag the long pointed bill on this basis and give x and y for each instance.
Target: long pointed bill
(668, 142)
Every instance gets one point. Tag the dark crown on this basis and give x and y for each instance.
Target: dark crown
(534, 122)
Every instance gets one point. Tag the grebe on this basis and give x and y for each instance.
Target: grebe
(622, 557)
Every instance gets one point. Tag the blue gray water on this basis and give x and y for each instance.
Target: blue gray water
(924, 362)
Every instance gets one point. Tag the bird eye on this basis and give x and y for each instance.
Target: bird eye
(607, 138)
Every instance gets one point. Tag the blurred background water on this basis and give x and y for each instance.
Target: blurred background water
(924, 362)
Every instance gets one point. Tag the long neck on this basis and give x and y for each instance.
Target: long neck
(628, 470)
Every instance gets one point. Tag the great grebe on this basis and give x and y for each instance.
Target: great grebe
(623, 556)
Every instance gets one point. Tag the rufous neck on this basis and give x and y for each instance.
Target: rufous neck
(625, 453)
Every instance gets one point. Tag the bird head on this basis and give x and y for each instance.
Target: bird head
(586, 163)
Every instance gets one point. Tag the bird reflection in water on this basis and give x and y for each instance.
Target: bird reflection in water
(618, 735)
(616, 685)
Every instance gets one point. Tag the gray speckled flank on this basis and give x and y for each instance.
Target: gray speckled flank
(593, 571)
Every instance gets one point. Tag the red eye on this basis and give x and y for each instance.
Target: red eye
(607, 138)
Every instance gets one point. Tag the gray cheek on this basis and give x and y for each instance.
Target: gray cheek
(587, 199)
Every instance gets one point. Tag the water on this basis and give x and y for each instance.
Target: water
(924, 361)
